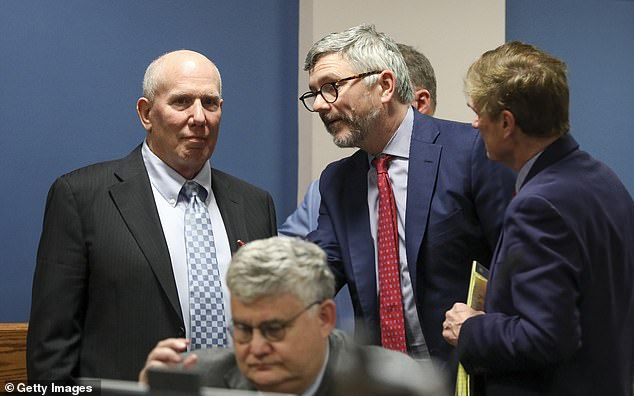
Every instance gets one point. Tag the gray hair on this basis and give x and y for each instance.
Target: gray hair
(365, 50)
(280, 265)
(421, 72)
(153, 75)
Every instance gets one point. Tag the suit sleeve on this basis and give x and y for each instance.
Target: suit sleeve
(535, 289)
(304, 219)
(59, 290)
(325, 236)
(492, 185)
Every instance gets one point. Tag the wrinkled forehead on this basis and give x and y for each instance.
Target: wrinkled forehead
(189, 77)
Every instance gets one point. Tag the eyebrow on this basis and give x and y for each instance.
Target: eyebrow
(328, 78)
(266, 322)
(196, 94)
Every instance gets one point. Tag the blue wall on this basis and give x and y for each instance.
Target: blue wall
(70, 75)
(71, 71)
(596, 40)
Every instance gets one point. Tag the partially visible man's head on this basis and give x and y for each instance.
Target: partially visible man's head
(280, 265)
(181, 109)
(527, 82)
(423, 78)
(282, 307)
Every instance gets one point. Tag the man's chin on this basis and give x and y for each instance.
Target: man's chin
(267, 381)
(341, 138)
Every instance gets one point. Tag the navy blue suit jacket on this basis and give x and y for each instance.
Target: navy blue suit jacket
(455, 204)
(560, 302)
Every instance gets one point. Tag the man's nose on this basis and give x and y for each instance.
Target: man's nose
(259, 345)
(320, 104)
(198, 113)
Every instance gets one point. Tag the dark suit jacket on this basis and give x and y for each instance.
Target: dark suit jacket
(560, 302)
(455, 204)
(103, 291)
(220, 370)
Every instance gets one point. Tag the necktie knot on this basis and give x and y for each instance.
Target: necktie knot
(382, 162)
(192, 189)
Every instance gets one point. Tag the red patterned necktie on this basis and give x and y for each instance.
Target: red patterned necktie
(390, 300)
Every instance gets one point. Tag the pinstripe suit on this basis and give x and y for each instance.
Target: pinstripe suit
(103, 292)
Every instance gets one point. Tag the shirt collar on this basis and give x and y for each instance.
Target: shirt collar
(167, 181)
(398, 145)
(312, 390)
(521, 175)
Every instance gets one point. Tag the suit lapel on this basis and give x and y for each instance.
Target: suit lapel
(424, 159)
(230, 208)
(360, 242)
(134, 199)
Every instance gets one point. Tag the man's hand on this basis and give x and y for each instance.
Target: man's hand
(167, 354)
(454, 318)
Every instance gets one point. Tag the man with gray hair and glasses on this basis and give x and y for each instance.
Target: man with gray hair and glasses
(402, 219)
(283, 320)
(304, 219)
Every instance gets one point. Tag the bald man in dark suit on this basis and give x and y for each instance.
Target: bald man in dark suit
(111, 275)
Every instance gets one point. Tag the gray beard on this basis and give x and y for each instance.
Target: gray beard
(358, 129)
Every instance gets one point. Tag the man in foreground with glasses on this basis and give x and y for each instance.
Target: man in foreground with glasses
(402, 238)
(283, 319)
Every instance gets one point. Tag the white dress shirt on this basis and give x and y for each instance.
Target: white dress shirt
(166, 185)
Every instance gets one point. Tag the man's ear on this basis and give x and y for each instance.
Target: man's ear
(422, 102)
(143, 107)
(327, 316)
(508, 123)
(387, 82)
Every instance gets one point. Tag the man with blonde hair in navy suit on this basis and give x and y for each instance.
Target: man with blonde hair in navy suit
(560, 303)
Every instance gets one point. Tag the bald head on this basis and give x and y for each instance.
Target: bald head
(161, 66)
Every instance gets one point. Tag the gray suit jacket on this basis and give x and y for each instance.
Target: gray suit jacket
(103, 291)
(385, 369)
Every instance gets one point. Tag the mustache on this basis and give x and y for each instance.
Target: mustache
(328, 118)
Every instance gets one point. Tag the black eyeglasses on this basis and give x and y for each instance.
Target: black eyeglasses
(329, 91)
(273, 331)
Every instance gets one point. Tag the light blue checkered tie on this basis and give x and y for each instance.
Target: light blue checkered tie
(206, 308)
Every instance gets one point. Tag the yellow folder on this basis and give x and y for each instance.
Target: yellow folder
(475, 299)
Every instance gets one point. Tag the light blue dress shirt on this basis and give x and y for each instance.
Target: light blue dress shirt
(398, 146)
